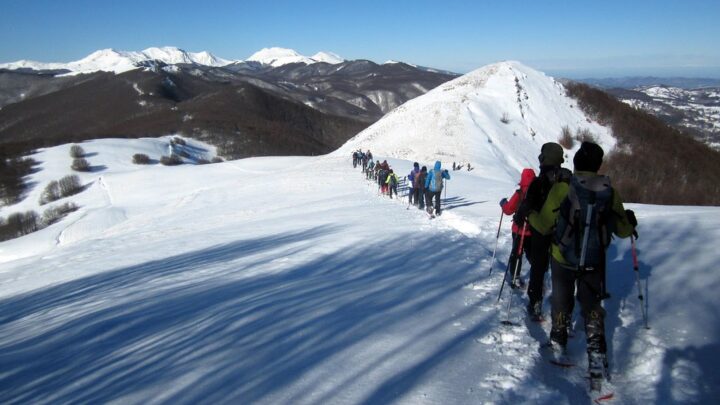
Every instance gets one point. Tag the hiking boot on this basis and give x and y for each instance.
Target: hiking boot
(534, 310)
(519, 283)
(559, 334)
(597, 370)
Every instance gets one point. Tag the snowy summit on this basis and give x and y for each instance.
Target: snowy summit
(282, 56)
(110, 60)
(495, 117)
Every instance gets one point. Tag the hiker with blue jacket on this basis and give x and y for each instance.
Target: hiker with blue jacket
(434, 186)
(582, 216)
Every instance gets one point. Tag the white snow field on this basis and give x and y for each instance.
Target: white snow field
(289, 280)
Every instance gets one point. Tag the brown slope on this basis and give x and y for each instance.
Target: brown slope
(655, 163)
(242, 119)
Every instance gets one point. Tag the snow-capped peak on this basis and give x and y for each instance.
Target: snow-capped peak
(276, 56)
(111, 60)
(328, 57)
(172, 55)
(282, 56)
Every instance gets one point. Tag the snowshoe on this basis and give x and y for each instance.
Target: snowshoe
(597, 370)
(558, 355)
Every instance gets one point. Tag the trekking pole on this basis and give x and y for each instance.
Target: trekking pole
(519, 252)
(509, 304)
(497, 237)
(503, 281)
(517, 263)
(636, 269)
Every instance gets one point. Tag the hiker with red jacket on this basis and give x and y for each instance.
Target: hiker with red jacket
(520, 231)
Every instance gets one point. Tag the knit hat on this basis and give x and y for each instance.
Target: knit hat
(588, 158)
(551, 154)
(416, 165)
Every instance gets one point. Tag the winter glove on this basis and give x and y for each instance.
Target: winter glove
(503, 202)
(630, 214)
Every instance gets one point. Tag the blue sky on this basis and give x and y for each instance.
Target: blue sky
(570, 38)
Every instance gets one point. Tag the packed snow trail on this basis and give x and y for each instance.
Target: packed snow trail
(289, 280)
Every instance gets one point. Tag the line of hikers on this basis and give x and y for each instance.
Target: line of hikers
(566, 220)
(424, 187)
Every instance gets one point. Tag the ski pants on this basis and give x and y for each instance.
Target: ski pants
(588, 286)
(539, 258)
(515, 261)
(392, 188)
(429, 197)
(420, 198)
(411, 194)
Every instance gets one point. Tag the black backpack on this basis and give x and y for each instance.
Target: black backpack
(538, 191)
(520, 216)
(583, 228)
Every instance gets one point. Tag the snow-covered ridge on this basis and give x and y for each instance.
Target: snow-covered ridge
(495, 118)
(167, 275)
(111, 60)
(276, 56)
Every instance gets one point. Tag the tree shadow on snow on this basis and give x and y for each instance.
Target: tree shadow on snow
(457, 202)
(168, 327)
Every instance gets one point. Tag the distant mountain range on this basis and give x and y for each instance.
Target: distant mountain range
(277, 102)
(648, 81)
(111, 60)
(695, 111)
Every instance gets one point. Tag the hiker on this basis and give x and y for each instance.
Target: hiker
(434, 186)
(391, 183)
(419, 187)
(370, 169)
(364, 159)
(520, 230)
(382, 176)
(578, 250)
(551, 157)
(411, 179)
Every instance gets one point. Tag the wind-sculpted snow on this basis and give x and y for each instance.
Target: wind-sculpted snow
(290, 280)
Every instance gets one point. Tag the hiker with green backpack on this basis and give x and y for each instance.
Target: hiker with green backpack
(582, 216)
(392, 183)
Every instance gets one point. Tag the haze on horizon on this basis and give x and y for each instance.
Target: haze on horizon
(570, 39)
